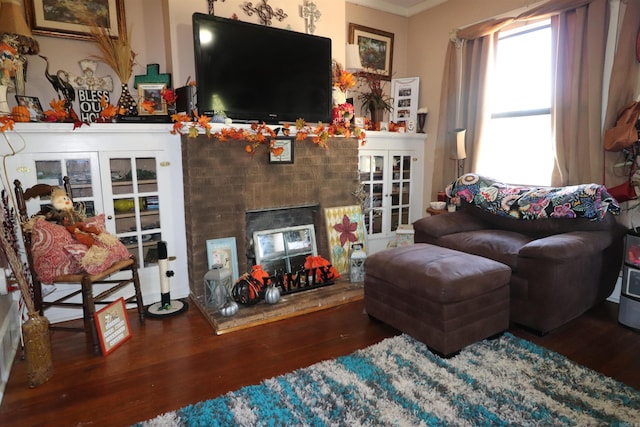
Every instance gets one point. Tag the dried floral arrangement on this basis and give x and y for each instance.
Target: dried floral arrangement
(115, 52)
(11, 251)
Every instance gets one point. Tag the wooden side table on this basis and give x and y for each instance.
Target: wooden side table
(436, 211)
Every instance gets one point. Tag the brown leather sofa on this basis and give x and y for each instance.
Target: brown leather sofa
(560, 267)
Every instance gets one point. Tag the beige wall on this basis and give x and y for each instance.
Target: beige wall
(161, 33)
(420, 44)
(428, 37)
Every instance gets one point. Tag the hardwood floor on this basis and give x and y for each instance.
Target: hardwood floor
(172, 362)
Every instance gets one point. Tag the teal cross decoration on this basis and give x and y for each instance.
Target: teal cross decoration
(152, 76)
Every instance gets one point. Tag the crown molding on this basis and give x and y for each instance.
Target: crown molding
(387, 6)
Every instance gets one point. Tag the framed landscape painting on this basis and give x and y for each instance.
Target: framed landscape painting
(375, 47)
(62, 18)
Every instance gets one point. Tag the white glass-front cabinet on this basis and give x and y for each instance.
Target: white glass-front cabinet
(132, 202)
(391, 170)
(131, 173)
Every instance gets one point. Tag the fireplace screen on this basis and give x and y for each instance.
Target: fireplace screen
(284, 250)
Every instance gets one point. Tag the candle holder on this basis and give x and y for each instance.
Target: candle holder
(422, 120)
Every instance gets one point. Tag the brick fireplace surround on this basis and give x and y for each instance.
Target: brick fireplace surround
(222, 182)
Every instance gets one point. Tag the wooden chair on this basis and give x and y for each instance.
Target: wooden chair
(85, 281)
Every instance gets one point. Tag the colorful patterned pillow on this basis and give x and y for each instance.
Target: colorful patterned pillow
(48, 241)
(590, 201)
(106, 250)
(56, 252)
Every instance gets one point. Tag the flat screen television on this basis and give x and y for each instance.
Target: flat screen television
(259, 73)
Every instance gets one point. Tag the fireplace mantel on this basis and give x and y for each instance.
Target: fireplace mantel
(222, 182)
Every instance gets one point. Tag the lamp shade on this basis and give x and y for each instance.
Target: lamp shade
(461, 152)
(13, 24)
(353, 58)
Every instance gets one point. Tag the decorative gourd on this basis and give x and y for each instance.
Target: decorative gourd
(20, 113)
(229, 308)
(272, 295)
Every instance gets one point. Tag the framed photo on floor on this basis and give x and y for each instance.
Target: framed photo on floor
(113, 326)
(223, 252)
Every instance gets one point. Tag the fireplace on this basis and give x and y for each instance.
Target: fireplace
(296, 221)
(223, 185)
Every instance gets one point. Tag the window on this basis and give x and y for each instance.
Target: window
(517, 145)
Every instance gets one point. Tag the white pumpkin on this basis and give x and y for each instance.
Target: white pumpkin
(272, 295)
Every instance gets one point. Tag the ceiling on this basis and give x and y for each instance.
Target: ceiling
(399, 7)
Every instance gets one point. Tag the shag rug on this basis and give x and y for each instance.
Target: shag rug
(507, 381)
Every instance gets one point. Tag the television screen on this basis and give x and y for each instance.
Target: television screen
(259, 73)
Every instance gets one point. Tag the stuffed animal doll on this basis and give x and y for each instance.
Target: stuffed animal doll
(65, 214)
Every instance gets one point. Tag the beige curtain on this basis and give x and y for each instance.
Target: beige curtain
(579, 25)
(580, 37)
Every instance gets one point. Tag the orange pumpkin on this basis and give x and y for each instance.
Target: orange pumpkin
(20, 113)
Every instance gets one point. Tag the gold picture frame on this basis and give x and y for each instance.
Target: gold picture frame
(58, 21)
(376, 49)
(113, 326)
(152, 92)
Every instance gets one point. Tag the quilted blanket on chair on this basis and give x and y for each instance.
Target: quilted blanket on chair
(577, 201)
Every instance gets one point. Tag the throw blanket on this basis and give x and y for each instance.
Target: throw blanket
(578, 201)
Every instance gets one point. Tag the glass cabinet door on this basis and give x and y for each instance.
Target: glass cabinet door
(371, 169)
(400, 190)
(82, 170)
(136, 205)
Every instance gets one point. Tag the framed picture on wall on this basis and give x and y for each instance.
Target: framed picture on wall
(283, 150)
(375, 47)
(404, 93)
(55, 18)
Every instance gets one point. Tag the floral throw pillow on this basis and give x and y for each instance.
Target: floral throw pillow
(56, 252)
(105, 251)
(48, 241)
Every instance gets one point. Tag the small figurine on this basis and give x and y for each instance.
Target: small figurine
(62, 86)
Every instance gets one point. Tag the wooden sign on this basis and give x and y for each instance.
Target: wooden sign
(113, 326)
(89, 102)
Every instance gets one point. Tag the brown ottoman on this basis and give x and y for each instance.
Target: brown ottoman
(444, 298)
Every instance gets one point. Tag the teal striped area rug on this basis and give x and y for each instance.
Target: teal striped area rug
(399, 382)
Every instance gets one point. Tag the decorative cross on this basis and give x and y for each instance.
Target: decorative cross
(153, 76)
(264, 12)
(309, 11)
(88, 79)
(210, 6)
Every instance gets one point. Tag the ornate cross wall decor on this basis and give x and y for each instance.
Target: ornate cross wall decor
(309, 11)
(210, 6)
(264, 12)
